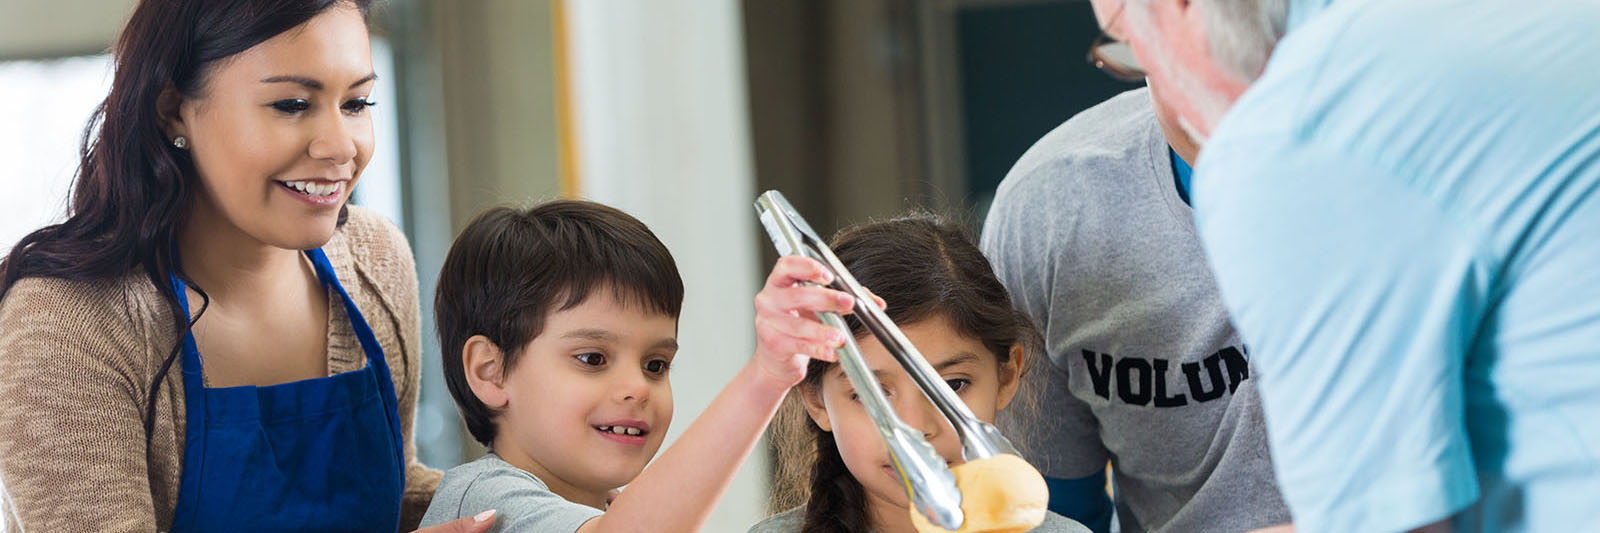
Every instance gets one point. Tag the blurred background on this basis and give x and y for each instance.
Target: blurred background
(677, 111)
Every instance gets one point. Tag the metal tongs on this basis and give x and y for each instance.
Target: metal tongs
(927, 478)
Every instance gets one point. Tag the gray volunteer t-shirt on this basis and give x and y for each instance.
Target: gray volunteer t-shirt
(790, 521)
(521, 501)
(1091, 238)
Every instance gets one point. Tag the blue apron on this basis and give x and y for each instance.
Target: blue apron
(321, 454)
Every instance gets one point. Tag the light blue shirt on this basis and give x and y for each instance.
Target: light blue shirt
(1404, 217)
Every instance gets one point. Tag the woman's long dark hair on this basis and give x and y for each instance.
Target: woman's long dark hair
(924, 267)
(133, 187)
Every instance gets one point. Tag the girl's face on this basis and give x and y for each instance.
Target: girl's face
(281, 132)
(971, 370)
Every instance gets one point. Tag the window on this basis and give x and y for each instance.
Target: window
(40, 133)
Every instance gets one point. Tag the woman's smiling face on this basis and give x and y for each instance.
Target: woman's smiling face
(280, 132)
(977, 376)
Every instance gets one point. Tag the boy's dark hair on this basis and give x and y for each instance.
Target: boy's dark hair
(511, 267)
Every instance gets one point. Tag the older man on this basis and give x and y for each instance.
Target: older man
(1400, 200)
(1092, 233)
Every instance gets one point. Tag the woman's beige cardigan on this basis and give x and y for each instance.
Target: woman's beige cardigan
(76, 360)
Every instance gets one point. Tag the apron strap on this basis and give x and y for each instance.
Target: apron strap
(194, 376)
(369, 345)
(194, 409)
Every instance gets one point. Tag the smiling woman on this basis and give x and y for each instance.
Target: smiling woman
(219, 172)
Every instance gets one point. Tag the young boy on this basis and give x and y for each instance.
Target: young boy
(559, 327)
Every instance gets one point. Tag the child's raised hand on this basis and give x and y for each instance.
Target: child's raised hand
(788, 334)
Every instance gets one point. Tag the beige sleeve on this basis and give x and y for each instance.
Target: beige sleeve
(399, 274)
(72, 443)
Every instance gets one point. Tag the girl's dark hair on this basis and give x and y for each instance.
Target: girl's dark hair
(132, 186)
(924, 267)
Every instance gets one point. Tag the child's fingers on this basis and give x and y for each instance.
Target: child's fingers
(784, 345)
(792, 269)
(793, 300)
(801, 328)
(826, 354)
(878, 300)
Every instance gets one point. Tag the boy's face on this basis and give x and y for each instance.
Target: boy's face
(589, 400)
(965, 364)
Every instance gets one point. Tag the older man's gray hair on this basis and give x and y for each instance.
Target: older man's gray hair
(1241, 33)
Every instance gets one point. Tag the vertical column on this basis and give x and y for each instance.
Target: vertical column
(662, 131)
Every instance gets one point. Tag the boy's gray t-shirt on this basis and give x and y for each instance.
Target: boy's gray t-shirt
(521, 501)
(790, 521)
(1090, 237)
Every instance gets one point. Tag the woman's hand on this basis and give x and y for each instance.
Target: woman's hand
(788, 334)
(471, 524)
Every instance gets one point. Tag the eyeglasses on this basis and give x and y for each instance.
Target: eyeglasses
(1114, 57)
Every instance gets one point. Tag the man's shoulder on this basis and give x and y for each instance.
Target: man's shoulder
(1118, 128)
(1106, 139)
(1055, 523)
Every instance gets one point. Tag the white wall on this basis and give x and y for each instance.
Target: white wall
(662, 130)
(32, 29)
(40, 131)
